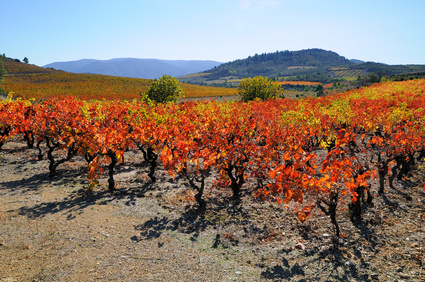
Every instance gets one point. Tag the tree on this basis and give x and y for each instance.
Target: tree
(320, 91)
(26, 61)
(163, 90)
(257, 87)
(2, 73)
(2, 69)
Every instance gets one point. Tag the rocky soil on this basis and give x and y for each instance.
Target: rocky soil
(53, 229)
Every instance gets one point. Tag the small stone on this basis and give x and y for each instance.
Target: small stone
(404, 275)
(325, 235)
(300, 245)
(238, 272)
(349, 263)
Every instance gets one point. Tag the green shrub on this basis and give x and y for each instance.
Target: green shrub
(257, 87)
(164, 89)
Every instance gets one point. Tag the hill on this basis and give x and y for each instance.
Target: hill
(136, 68)
(31, 81)
(315, 65)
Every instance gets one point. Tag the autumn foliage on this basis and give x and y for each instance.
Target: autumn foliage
(316, 153)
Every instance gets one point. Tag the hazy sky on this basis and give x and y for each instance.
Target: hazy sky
(46, 31)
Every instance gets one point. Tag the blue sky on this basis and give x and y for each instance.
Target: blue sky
(47, 31)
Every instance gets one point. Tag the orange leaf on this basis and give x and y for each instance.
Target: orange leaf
(304, 213)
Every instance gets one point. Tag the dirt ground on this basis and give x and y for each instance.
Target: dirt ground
(52, 229)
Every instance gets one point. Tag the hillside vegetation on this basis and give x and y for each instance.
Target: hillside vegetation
(314, 65)
(31, 81)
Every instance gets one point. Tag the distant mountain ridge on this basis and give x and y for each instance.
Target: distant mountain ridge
(136, 68)
(316, 65)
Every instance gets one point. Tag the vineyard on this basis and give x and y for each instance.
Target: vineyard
(346, 72)
(28, 81)
(291, 82)
(327, 157)
(327, 148)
